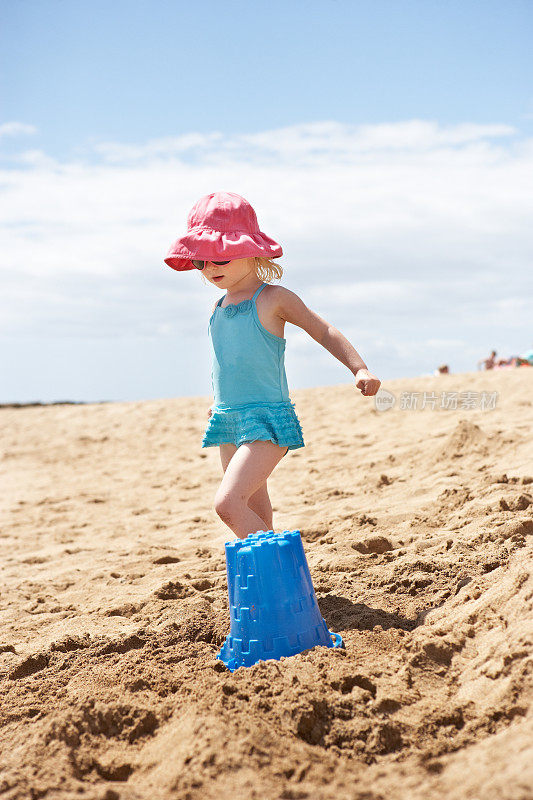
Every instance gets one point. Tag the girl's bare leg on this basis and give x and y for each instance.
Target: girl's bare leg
(260, 503)
(260, 500)
(247, 470)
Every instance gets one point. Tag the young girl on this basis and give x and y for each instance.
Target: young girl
(252, 420)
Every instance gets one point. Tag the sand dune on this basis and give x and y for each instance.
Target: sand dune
(417, 528)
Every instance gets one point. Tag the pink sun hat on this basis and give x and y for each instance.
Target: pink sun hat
(221, 226)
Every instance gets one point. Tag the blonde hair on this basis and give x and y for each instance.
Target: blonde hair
(265, 269)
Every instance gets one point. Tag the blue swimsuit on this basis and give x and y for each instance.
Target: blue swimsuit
(251, 396)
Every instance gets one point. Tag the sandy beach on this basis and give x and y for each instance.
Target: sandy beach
(417, 528)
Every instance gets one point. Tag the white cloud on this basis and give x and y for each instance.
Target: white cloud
(16, 129)
(406, 225)
(298, 144)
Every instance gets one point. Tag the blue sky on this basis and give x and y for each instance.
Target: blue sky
(387, 145)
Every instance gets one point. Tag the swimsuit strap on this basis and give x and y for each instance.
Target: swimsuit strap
(221, 299)
(258, 290)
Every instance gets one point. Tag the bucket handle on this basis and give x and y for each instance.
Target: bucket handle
(336, 638)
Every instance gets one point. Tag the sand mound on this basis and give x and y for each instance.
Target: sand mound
(115, 605)
(466, 439)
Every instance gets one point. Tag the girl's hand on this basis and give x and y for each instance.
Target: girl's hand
(209, 413)
(366, 382)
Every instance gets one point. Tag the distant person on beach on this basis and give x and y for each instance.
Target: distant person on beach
(527, 358)
(515, 361)
(488, 363)
(252, 420)
(442, 370)
(524, 360)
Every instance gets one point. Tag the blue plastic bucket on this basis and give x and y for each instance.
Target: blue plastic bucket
(273, 607)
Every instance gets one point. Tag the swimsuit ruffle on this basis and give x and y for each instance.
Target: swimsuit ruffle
(275, 422)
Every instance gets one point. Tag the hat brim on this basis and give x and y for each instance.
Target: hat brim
(209, 245)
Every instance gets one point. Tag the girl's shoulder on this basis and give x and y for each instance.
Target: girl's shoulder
(278, 294)
(290, 307)
(280, 298)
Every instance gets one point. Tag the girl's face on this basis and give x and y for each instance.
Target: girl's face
(226, 275)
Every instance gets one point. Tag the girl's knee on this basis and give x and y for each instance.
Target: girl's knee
(227, 504)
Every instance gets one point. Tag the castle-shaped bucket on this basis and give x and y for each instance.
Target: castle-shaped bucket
(272, 601)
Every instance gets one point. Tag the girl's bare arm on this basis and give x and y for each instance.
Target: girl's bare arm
(291, 308)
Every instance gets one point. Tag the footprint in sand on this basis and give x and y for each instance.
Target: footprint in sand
(174, 590)
(166, 560)
(203, 584)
